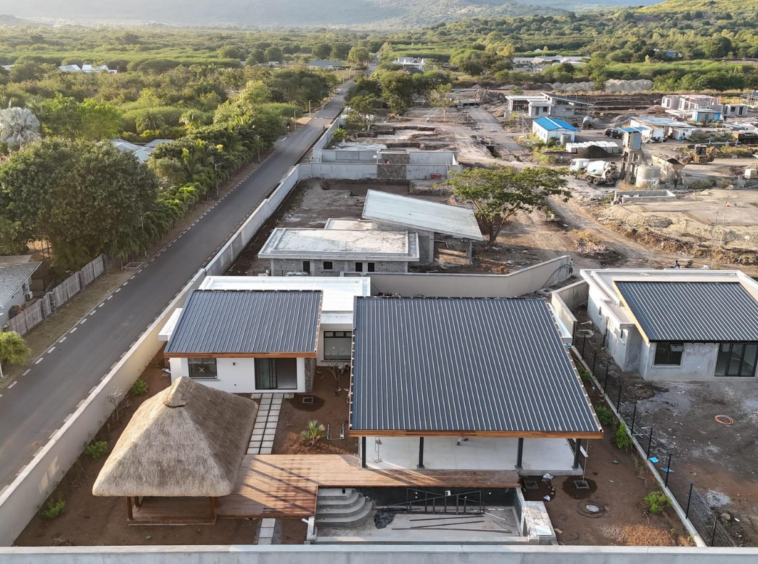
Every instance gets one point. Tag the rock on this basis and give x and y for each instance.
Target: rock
(592, 508)
(726, 517)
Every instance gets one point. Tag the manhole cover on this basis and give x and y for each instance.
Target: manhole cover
(308, 399)
(592, 508)
(581, 484)
(531, 485)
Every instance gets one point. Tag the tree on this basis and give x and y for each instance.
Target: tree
(84, 198)
(60, 116)
(13, 349)
(397, 90)
(359, 56)
(99, 120)
(322, 51)
(498, 194)
(340, 51)
(257, 57)
(274, 53)
(440, 98)
(363, 108)
(18, 126)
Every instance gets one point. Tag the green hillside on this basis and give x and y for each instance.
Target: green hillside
(722, 9)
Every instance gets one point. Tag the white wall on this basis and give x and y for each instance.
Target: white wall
(698, 363)
(345, 171)
(19, 299)
(566, 298)
(235, 375)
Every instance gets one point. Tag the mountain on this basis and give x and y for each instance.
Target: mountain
(384, 14)
(729, 8)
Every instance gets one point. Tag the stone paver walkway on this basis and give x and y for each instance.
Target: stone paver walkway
(262, 441)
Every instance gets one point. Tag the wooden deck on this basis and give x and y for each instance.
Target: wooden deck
(282, 485)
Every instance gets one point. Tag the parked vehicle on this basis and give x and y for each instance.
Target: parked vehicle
(598, 172)
(614, 133)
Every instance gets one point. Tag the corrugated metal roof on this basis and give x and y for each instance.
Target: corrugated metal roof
(421, 214)
(13, 276)
(552, 124)
(692, 311)
(247, 322)
(463, 364)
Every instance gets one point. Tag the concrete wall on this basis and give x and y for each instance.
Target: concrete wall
(511, 285)
(567, 298)
(345, 155)
(325, 139)
(280, 267)
(376, 554)
(33, 485)
(698, 363)
(343, 171)
(236, 375)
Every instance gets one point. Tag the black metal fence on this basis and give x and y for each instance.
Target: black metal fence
(690, 498)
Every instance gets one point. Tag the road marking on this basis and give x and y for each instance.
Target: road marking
(78, 405)
(82, 322)
(54, 432)
(109, 297)
(67, 417)
(113, 365)
(117, 291)
(62, 339)
(51, 349)
(101, 305)
(14, 383)
(132, 278)
(125, 283)
(92, 390)
(40, 359)
(26, 372)
(72, 330)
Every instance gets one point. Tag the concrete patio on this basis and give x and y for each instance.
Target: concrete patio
(444, 453)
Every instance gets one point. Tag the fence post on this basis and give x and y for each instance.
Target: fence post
(634, 416)
(668, 471)
(618, 401)
(650, 443)
(584, 344)
(689, 499)
(594, 358)
(605, 382)
(713, 535)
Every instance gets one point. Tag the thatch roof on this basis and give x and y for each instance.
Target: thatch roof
(187, 441)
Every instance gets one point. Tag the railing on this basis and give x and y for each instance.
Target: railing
(56, 298)
(467, 503)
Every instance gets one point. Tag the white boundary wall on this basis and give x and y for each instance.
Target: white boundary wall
(378, 554)
(325, 139)
(566, 298)
(526, 281)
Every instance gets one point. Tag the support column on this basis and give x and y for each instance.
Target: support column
(363, 452)
(129, 514)
(421, 453)
(577, 453)
(520, 457)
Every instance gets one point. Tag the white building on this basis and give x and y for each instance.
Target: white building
(15, 283)
(662, 127)
(411, 63)
(262, 334)
(677, 325)
(547, 105)
(547, 128)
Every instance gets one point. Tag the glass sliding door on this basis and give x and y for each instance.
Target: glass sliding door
(265, 374)
(737, 359)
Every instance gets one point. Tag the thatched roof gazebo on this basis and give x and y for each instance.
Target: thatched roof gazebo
(188, 441)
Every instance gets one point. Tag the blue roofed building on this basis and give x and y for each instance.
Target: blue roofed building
(547, 128)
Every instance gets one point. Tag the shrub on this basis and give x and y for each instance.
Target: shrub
(604, 415)
(313, 433)
(96, 450)
(623, 441)
(584, 375)
(339, 135)
(53, 508)
(140, 388)
(656, 501)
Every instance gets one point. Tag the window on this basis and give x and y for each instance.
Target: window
(328, 265)
(668, 353)
(203, 368)
(275, 374)
(370, 267)
(359, 267)
(307, 266)
(737, 359)
(337, 345)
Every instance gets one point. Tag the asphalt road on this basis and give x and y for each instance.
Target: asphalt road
(35, 406)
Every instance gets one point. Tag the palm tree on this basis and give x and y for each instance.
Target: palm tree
(313, 433)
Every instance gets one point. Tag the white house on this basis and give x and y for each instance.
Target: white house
(547, 128)
(677, 325)
(254, 334)
(411, 63)
(15, 283)
(662, 127)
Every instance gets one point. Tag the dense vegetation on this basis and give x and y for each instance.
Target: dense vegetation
(675, 44)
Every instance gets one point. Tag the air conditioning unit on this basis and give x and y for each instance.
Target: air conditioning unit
(29, 296)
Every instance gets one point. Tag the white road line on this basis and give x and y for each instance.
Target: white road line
(67, 417)
(82, 322)
(109, 297)
(117, 291)
(51, 349)
(40, 359)
(92, 390)
(14, 383)
(72, 330)
(53, 434)
(26, 371)
(62, 339)
(78, 405)
(93, 313)
(125, 283)
(101, 305)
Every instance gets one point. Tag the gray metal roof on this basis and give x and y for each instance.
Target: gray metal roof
(463, 364)
(247, 322)
(13, 276)
(692, 311)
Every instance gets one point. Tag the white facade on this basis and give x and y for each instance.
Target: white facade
(624, 340)
(545, 134)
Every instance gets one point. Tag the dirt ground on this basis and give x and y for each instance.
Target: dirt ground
(618, 483)
(329, 407)
(101, 521)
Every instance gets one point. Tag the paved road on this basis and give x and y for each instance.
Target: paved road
(35, 406)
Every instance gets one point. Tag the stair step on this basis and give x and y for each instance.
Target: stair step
(352, 521)
(343, 510)
(338, 501)
(334, 493)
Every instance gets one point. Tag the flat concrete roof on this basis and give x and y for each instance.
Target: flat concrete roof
(339, 292)
(336, 244)
(349, 224)
(422, 215)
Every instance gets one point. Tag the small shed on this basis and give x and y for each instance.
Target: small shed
(186, 442)
(546, 128)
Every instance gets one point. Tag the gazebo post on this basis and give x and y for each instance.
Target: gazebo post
(213, 507)
(577, 453)
(520, 454)
(421, 453)
(129, 514)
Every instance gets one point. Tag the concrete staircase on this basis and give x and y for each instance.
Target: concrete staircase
(342, 507)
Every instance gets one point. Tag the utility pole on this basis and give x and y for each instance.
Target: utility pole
(309, 109)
